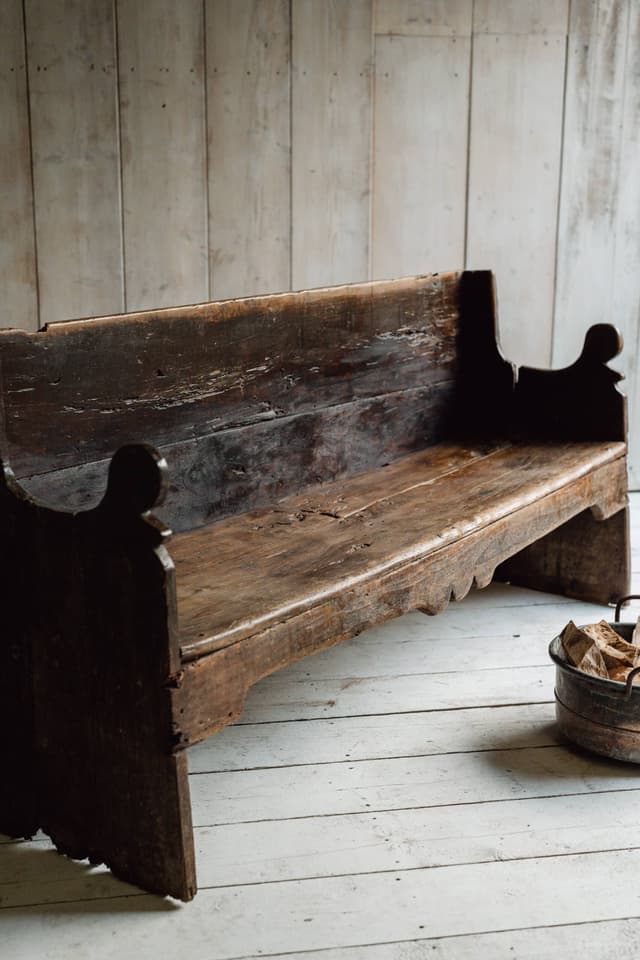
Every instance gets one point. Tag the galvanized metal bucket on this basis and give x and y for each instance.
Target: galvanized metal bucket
(600, 715)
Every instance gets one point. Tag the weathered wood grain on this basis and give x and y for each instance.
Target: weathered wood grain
(586, 558)
(318, 542)
(225, 473)
(427, 645)
(308, 548)
(71, 55)
(18, 280)
(162, 125)
(173, 375)
(249, 146)
(211, 691)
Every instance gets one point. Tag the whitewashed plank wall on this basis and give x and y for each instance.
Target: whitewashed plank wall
(17, 237)
(75, 148)
(249, 147)
(154, 153)
(162, 131)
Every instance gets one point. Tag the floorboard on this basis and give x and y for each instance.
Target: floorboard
(400, 796)
(606, 939)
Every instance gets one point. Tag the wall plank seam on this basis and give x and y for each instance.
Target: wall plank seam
(207, 166)
(123, 239)
(469, 114)
(34, 222)
(630, 385)
(560, 171)
(290, 12)
(372, 140)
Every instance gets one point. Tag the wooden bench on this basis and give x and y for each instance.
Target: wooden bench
(335, 458)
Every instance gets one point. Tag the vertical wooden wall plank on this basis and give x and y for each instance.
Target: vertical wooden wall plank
(17, 247)
(418, 151)
(520, 16)
(590, 171)
(626, 277)
(420, 154)
(72, 83)
(516, 132)
(331, 134)
(248, 88)
(161, 61)
(432, 18)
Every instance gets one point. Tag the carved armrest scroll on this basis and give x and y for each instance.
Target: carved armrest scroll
(578, 402)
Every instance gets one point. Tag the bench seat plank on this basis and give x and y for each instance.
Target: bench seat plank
(237, 577)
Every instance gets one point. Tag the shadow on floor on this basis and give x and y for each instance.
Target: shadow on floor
(560, 761)
(34, 878)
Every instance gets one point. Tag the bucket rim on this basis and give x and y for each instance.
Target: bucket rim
(617, 687)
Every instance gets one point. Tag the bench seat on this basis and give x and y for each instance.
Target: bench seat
(238, 577)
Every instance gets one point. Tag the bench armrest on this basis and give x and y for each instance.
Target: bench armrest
(495, 400)
(579, 402)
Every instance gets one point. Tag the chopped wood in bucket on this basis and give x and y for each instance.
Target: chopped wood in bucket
(597, 649)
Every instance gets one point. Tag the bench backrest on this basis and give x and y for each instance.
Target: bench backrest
(250, 400)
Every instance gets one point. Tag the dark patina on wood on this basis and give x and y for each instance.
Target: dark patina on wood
(360, 450)
(91, 607)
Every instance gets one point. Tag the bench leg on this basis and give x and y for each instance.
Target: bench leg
(18, 788)
(86, 726)
(88, 653)
(586, 558)
(112, 788)
(86, 745)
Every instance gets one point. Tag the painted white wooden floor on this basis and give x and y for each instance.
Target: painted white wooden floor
(401, 796)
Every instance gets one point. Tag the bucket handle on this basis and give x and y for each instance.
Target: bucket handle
(631, 596)
(636, 670)
(629, 684)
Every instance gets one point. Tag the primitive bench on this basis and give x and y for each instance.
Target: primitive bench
(336, 457)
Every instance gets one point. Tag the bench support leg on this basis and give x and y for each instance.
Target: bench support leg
(88, 653)
(18, 790)
(586, 559)
(86, 740)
